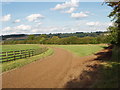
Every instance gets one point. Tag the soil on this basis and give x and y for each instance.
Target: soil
(60, 70)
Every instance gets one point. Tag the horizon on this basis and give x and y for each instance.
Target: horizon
(55, 33)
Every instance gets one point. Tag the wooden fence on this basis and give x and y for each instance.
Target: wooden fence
(14, 55)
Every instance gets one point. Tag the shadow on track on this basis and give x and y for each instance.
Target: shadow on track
(92, 74)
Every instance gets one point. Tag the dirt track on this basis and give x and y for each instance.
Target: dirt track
(51, 72)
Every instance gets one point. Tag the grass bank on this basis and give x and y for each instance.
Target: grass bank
(21, 62)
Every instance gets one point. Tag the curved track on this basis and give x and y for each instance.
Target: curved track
(47, 72)
(51, 72)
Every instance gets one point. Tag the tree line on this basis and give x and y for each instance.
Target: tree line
(61, 35)
(44, 39)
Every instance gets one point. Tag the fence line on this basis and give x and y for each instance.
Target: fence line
(14, 55)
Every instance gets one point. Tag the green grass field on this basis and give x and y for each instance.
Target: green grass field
(6, 48)
(82, 50)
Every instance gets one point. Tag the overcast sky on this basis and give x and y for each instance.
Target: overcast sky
(54, 17)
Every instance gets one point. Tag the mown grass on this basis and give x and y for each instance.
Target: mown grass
(109, 71)
(6, 48)
(21, 62)
(82, 50)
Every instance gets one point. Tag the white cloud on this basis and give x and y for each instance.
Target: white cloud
(92, 23)
(7, 28)
(6, 18)
(87, 12)
(71, 10)
(99, 24)
(77, 26)
(72, 3)
(17, 21)
(34, 17)
(79, 15)
(22, 27)
(39, 23)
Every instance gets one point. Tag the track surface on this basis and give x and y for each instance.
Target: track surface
(43, 73)
(50, 72)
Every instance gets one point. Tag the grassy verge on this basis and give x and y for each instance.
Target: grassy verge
(21, 62)
(82, 50)
(109, 71)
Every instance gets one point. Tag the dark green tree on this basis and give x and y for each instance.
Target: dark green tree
(31, 37)
(115, 30)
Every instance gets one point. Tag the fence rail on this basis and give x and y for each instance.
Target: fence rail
(14, 55)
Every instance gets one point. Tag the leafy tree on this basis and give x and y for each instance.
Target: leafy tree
(42, 40)
(43, 35)
(54, 40)
(31, 37)
(115, 30)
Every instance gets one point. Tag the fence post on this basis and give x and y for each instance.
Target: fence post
(14, 55)
(21, 54)
(32, 52)
(25, 53)
(29, 52)
(7, 56)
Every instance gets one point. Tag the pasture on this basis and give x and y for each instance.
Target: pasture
(6, 48)
(82, 50)
(13, 52)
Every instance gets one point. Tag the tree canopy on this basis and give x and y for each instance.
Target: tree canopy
(115, 30)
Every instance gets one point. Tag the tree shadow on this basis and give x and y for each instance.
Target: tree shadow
(105, 54)
(85, 79)
(92, 73)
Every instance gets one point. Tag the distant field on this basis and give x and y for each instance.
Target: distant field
(82, 50)
(6, 48)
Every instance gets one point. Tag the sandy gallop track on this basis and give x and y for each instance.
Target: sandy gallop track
(60, 70)
(44, 73)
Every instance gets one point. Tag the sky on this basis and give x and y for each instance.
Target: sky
(54, 17)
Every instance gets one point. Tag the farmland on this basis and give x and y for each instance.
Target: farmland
(6, 48)
(82, 50)
(79, 55)
(67, 44)
(14, 52)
